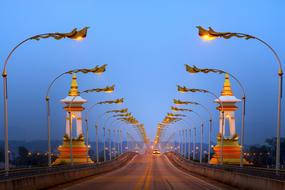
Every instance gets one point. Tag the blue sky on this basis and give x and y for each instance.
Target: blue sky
(145, 44)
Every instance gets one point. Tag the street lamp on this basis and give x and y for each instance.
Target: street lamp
(111, 111)
(179, 102)
(117, 101)
(202, 131)
(74, 34)
(194, 90)
(174, 118)
(107, 89)
(95, 70)
(203, 33)
(176, 109)
(194, 70)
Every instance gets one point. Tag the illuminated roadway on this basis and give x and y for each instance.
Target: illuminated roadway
(146, 172)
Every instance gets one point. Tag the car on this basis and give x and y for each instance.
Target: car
(156, 152)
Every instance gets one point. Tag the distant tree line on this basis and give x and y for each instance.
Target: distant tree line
(265, 155)
(25, 158)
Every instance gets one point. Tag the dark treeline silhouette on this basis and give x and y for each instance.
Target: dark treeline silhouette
(264, 155)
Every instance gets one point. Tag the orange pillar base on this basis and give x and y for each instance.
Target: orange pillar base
(79, 152)
(231, 152)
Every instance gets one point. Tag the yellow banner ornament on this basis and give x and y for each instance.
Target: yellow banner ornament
(118, 111)
(180, 102)
(179, 109)
(107, 89)
(117, 101)
(195, 69)
(184, 89)
(74, 34)
(95, 70)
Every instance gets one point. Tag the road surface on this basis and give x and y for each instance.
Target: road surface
(146, 172)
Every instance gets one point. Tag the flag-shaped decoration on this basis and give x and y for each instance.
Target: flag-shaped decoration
(185, 89)
(107, 89)
(118, 111)
(175, 115)
(95, 70)
(74, 34)
(179, 109)
(117, 101)
(180, 102)
(227, 35)
(123, 115)
(194, 69)
(130, 120)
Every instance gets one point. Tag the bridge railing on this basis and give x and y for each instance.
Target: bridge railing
(250, 170)
(23, 172)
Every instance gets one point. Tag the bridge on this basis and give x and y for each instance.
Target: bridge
(143, 171)
(109, 142)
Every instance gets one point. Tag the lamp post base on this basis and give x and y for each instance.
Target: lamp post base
(231, 151)
(79, 150)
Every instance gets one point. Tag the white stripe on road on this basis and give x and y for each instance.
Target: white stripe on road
(192, 176)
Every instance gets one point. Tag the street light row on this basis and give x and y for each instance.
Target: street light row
(211, 34)
(74, 35)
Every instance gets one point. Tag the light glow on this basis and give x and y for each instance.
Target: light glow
(208, 37)
(79, 38)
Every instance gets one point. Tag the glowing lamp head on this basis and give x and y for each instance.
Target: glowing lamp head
(208, 37)
(79, 38)
(109, 89)
(78, 35)
(205, 34)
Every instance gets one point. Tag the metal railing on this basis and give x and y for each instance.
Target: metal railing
(26, 172)
(247, 169)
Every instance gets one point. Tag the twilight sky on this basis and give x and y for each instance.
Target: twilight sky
(145, 44)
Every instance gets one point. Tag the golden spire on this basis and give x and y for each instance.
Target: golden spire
(227, 90)
(74, 87)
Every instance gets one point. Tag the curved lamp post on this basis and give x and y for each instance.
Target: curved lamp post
(111, 111)
(95, 70)
(189, 138)
(194, 90)
(202, 131)
(110, 149)
(120, 129)
(107, 90)
(194, 69)
(120, 126)
(114, 132)
(183, 132)
(74, 34)
(176, 109)
(211, 35)
(117, 101)
(179, 102)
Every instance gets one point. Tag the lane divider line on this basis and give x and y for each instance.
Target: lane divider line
(198, 179)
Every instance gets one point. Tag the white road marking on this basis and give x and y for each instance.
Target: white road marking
(198, 179)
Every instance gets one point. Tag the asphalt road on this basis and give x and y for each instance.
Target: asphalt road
(146, 172)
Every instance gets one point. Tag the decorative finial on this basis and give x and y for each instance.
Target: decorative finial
(227, 90)
(74, 86)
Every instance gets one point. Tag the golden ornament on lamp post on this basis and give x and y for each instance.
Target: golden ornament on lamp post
(202, 127)
(212, 34)
(195, 90)
(179, 102)
(74, 34)
(121, 111)
(117, 101)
